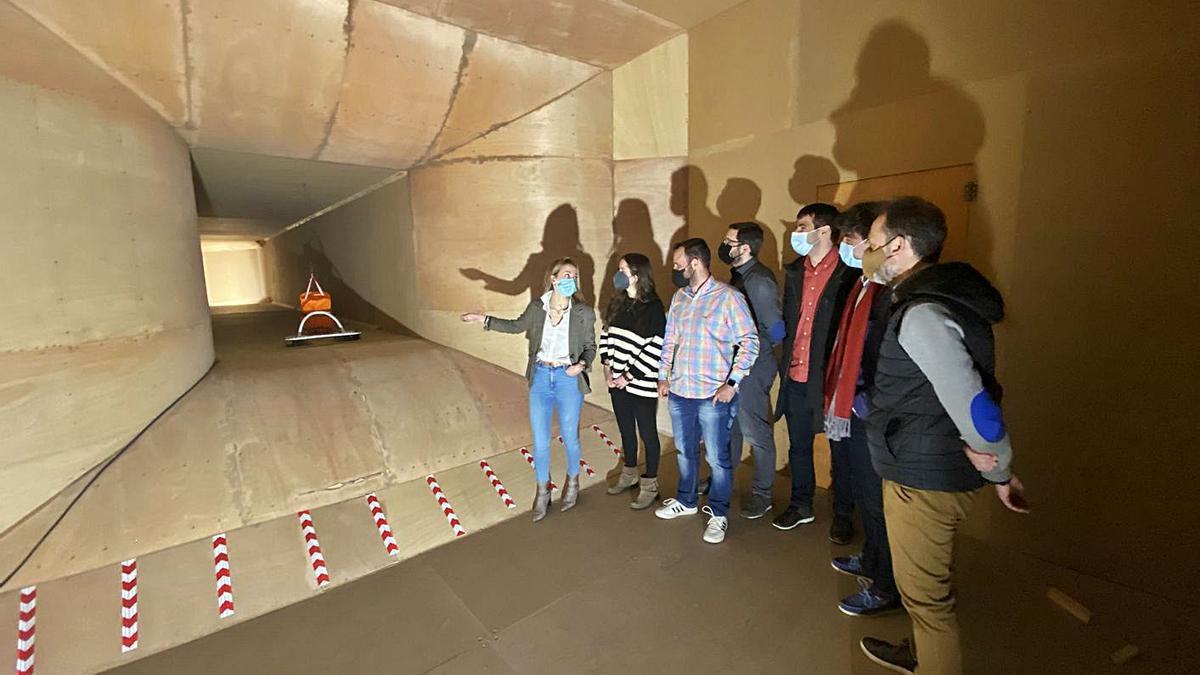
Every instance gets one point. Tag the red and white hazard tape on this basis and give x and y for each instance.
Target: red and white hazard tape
(381, 523)
(529, 458)
(129, 606)
(447, 510)
(26, 626)
(497, 485)
(586, 467)
(604, 437)
(224, 581)
(320, 572)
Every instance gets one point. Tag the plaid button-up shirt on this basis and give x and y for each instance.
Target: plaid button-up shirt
(710, 338)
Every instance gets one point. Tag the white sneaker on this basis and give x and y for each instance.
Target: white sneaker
(714, 533)
(673, 508)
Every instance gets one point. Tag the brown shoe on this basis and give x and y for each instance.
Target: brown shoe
(647, 494)
(541, 501)
(627, 480)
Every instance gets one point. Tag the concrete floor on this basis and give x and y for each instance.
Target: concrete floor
(604, 589)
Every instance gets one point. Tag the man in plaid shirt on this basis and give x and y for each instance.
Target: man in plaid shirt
(710, 345)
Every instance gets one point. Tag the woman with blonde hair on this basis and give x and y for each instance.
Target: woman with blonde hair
(560, 327)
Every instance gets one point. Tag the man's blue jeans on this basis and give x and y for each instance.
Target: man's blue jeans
(554, 388)
(691, 420)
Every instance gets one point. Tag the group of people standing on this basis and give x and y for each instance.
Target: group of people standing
(884, 349)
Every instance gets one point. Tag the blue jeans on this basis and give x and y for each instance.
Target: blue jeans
(691, 420)
(552, 387)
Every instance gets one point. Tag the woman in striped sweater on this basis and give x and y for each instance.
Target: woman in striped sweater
(630, 347)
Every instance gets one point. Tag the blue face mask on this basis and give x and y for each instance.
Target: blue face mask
(620, 281)
(847, 253)
(566, 287)
(800, 243)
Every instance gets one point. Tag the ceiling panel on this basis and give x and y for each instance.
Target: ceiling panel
(240, 185)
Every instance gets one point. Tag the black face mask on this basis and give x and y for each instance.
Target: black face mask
(725, 253)
(678, 279)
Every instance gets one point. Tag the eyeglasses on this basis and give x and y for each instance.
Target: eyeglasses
(876, 248)
(729, 242)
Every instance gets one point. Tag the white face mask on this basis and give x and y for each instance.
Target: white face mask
(801, 244)
(846, 251)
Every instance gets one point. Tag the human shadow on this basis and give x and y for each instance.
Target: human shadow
(902, 117)
(560, 239)
(689, 199)
(633, 232)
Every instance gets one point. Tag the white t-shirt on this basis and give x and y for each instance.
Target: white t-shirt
(555, 346)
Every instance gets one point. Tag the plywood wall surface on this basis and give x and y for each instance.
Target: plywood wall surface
(106, 312)
(585, 30)
(266, 75)
(650, 103)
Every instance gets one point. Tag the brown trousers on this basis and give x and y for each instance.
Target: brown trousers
(921, 525)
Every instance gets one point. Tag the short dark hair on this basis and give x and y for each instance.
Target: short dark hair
(919, 221)
(696, 248)
(822, 214)
(749, 233)
(858, 218)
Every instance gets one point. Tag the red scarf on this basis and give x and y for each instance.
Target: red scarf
(845, 363)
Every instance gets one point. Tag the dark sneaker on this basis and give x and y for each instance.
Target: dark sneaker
(793, 516)
(868, 602)
(898, 658)
(703, 485)
(757, 507)
(851, 564)
(841, 531)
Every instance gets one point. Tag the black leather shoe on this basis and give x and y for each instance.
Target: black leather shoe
(841, 531)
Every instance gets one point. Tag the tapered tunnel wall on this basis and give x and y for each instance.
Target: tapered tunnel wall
(1073, 117)
(105, 320)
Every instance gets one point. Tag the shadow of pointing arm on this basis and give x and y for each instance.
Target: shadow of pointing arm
(493, 283)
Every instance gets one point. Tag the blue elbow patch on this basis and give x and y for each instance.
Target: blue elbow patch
(778, 331)
(986, 417)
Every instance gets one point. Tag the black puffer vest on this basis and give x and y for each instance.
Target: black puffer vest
(913, 441)
(738, 281)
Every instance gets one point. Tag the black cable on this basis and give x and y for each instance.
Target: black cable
(107, 463)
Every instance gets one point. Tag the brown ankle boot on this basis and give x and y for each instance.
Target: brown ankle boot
(627, 480)
(541, 501)
(570, 493)
(647, 494)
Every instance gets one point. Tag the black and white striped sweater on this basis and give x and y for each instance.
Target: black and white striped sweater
(633, 345)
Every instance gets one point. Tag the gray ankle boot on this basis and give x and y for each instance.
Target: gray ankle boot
(628, 479)
(647, 494)
(541, 501)
(570, 493)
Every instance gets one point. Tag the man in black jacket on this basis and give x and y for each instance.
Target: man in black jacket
(814, 292)
(935, 429)
(754, 424)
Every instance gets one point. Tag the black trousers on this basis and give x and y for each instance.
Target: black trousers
(868, 494)
(637, 414)
(801, 431)
(799, 414)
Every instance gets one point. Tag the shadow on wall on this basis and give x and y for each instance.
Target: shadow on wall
(560, 239)
(809, 172)
(633, 232)
(347, 303)
(901, 117)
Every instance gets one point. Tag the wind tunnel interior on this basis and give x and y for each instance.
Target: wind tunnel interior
(175, 171)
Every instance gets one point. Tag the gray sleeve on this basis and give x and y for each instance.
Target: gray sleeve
(764, 298)
(934, 341)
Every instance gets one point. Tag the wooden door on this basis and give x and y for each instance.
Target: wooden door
(951, 188)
